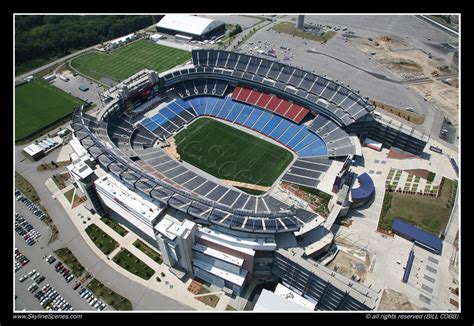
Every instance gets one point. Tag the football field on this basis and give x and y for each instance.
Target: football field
(38, 104)
(228, 153)
(128, 60)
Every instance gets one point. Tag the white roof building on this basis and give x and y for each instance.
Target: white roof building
(188, 24)
(269, 301)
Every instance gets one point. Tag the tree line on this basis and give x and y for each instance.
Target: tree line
(43, 38)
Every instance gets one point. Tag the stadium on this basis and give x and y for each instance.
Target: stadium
(212, 140)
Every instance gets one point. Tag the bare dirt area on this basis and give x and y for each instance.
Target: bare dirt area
(393, 300)
(442, 95)
(401, 65)
(246, 185)
(349, 266)
(170, 149)
(401, 58)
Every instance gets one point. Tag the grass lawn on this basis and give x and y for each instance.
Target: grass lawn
(114, 225)
(110, 297)
(38, 104)
(26, 188)
(128, 60)
(232, 154)
(68, 258)
(290, 28)
(68, 194)
(101, 239)
(132, 264)
(429, 213)
(148, 251)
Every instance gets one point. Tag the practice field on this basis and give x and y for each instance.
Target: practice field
(128, 60)
(38, 104)
(229, 153)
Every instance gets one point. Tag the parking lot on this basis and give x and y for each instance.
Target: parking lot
(72, 87)
(35, 254)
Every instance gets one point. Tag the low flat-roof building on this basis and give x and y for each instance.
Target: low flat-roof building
(34, 152)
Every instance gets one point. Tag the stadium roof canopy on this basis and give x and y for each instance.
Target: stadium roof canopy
(188, 24)
(418, 235)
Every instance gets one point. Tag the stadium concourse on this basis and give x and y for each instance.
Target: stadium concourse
(297, 110)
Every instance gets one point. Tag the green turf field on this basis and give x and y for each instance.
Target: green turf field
(38, 104)
(130, 59)
(229, 153)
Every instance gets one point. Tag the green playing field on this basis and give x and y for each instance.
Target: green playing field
(228, 153)
(37, 104)
(128, 60)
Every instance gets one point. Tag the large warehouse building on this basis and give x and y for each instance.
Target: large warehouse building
(190, 27)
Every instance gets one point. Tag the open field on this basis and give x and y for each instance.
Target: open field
(68, 258)
(290, 29)
(128, 60)
(110, 297)
(429, 213)
(38, 104)
(101, 239)
(131, 263)
(232, 154)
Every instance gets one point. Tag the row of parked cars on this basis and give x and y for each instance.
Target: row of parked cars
(91, 299)
(26, 230)
(20, 260)
(49, 299)
(32, 207)
(37, 279)
(64, 271)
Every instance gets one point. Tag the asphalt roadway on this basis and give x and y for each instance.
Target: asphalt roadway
(142, 298)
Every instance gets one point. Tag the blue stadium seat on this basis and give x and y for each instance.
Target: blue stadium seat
(306, 141)
(289, 133)
(256, 113)
(167, 113)
(297, 138)
(244, 114)
(211, 102)
(226, 108)
(175, 108)
(158, 119)
(271, 125)
(264, 118)
(278, 131)
(235, 111)
(217, 107)
(149, 124)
